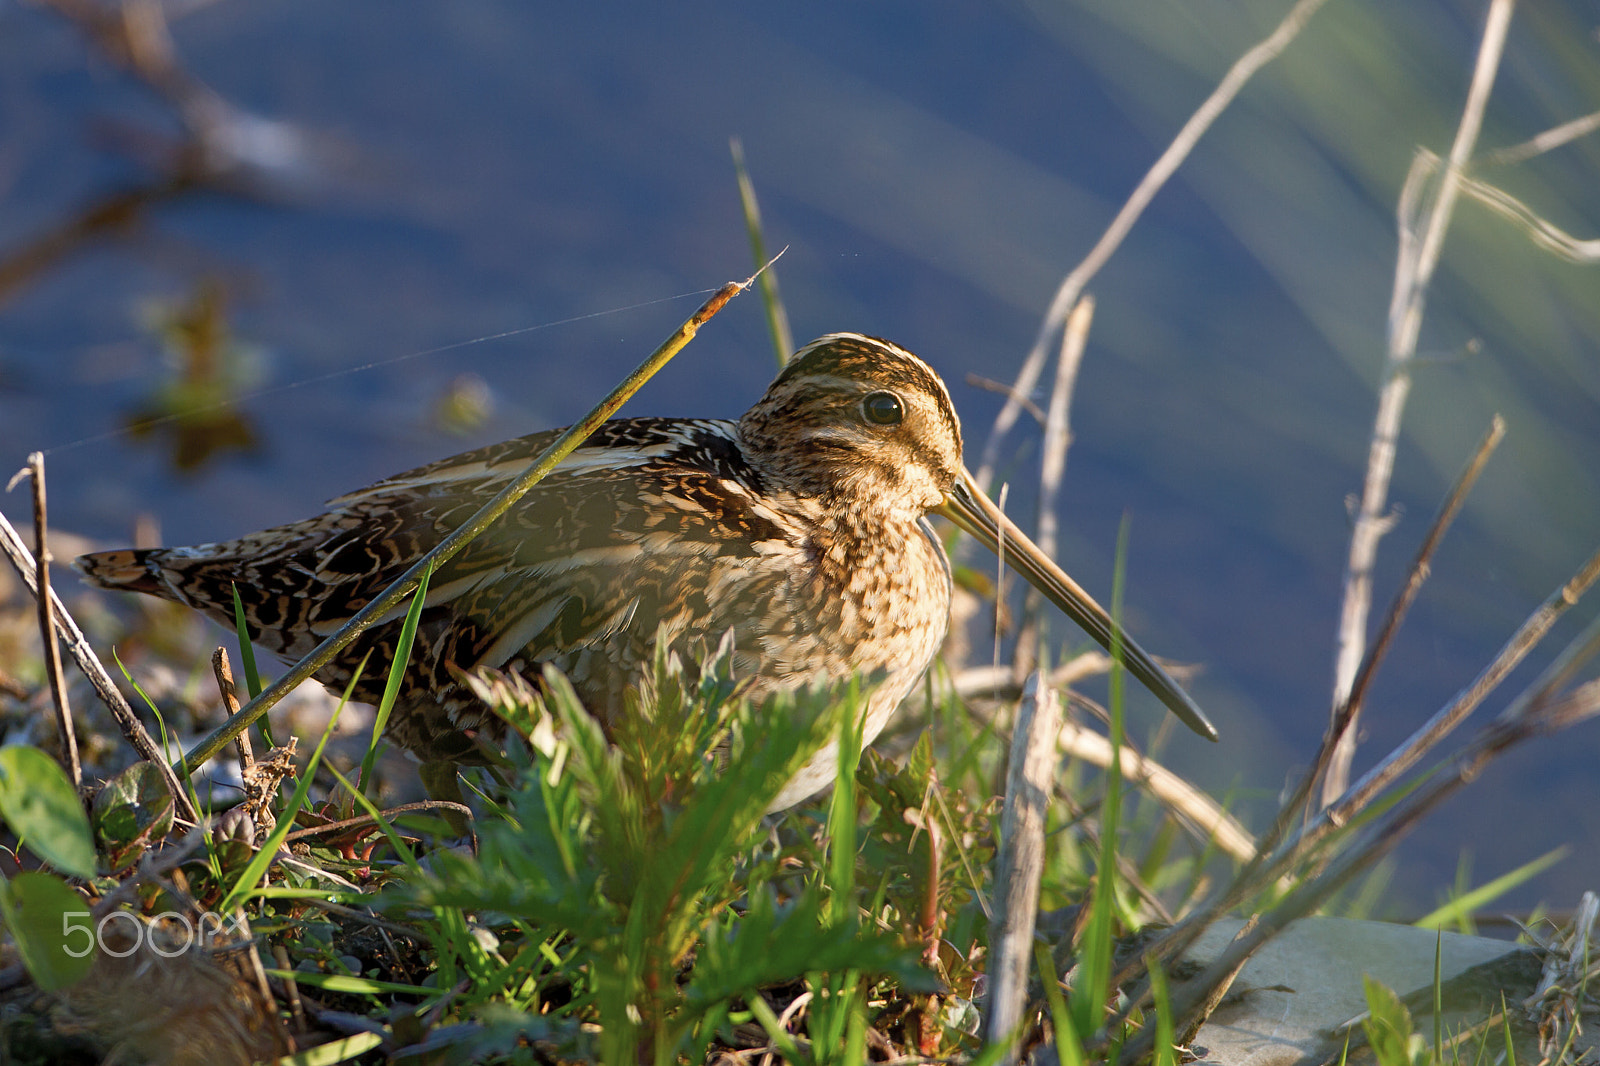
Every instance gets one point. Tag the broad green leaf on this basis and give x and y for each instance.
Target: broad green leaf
(42, 808)
(131, 812)
(1389, 1029)
(52, 928)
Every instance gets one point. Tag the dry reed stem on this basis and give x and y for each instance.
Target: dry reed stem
(47, 628)
(1540, 231)
(1030, 782)
(134, 730)
(1066, 297)
(1415, 263)
(1206, 819)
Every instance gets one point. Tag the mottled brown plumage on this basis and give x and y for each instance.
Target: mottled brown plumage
(801, 528)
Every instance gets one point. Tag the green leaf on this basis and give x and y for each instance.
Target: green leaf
(132, 811)
(397, 672)
(52, 928)
(1388, 1028)
(42, 808)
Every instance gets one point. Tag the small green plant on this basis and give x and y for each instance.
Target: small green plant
(635, 884)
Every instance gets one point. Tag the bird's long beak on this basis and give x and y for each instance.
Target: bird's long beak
(968, 507)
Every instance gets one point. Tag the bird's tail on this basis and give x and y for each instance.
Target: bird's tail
(127, 569)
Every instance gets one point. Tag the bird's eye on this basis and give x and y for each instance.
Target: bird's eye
(882, 408)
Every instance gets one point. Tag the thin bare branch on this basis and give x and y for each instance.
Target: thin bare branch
(978, 381)
(1243, 69)
(1529, 634)
(47, 629)
(1495, 739)
(1537, 698)
(1269, 868)
(777, 316)
(1415, 264)
(94, 670)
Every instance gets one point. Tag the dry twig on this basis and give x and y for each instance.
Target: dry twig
(90, 664)
(47, 629)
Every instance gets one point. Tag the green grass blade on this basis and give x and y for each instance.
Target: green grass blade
(397, 673)
(775, 1031)
(1165, 1052)
(335, 1051)
(355, 986)
(370, 809)
(397, 590)
(247, 651)
(1438, 994)
(842, 809)
(184, 776)
(1467, 903)
(1069, 1049)
(247, 659)
(1090, 996)
(777, 317)
(1505, 1032)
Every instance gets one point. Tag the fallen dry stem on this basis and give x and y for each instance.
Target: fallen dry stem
(1030, 783)
(365, 821)
(1205, 818)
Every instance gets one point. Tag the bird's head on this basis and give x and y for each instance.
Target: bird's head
(858, 420)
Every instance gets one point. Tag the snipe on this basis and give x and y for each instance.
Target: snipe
(801, 527)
